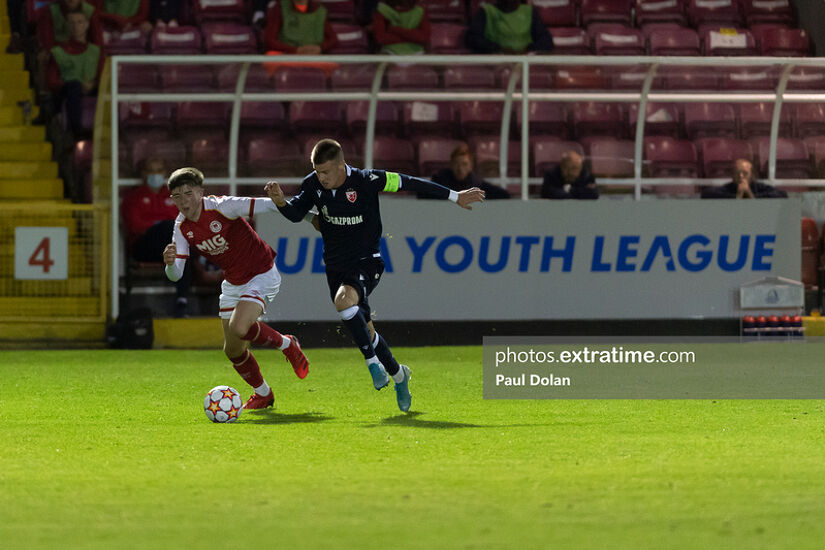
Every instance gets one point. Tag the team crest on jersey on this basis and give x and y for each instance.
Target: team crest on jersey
(215, 226)
(190, 234)
(351, 195)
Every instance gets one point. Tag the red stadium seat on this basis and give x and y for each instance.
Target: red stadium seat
(557, 13)
(630, 78)
(611, 158)
(728, 42)
(186, 78)
(792, 159)
(619, 42)
(487, 150)
(761, 11)
(176, 40)
(394, 154)
(479, 117)
(146, 115)
(808, 119)
(434, 154)
(661, 119)
(210, 154)
(810, 252)
(748, 79)
(612, 11)
(779, 42)
(659, 11)
(674, 42)
(300, 79)
(386, 117)
(261, 160)
(547, 152)
(806, 78)
(714, 11)
(541, 77)
(580, 78)
(669, 157)
(339, 10)
(258, 79)
(137, 78)
(352, 39)
(428, 118)
(686, 78)
(469, 77)
(710, 119)
(268, 115)
(546, 118)
(755, 120)
(172, 151)
(718, 154)
(229, 39)
(445, 10)
(219, 10)
(196, 115)
(598, 119)
(316, 117)
(411, 77)
(447, 38)
(570, 41)
(352, 77)
(132, 42)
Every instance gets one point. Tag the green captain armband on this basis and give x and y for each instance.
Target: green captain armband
(393, 182)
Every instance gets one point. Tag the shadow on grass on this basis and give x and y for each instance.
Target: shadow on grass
(411, 419)
(268, 416)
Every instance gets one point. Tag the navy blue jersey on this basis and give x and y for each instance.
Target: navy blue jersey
(350, 218)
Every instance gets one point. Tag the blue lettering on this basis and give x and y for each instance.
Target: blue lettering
(441, 252)
(526, 244)
(597, 264)
(704, 256)
(284, 267)
(318, 256)
(503, 255)
(418, 251)
(625, 252)
(761, 250)
(548, 253)
(741, 256)
(660, 242)
(385, 255)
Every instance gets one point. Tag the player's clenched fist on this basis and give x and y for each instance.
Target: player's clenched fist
(275, 193)
(169, 254)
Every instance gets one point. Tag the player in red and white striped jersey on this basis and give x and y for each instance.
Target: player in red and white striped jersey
(217, 227)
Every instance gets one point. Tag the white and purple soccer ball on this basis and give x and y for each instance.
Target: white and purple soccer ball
(222, 404)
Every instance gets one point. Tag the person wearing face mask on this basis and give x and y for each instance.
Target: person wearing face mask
(508, 27)
(148, 213)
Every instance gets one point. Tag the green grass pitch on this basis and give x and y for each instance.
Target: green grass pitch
(111, 449)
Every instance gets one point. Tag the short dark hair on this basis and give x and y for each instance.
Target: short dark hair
(326, 150)
(185, 176)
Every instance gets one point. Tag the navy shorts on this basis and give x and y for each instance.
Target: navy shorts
(363, 278)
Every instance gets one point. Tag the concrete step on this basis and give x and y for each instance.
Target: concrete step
(25, 170)
(12, 115)
(73, 286)
(60, 306)
(22, 133)
(31, 189)
(31, 151)
(13, 94)
(11, 61)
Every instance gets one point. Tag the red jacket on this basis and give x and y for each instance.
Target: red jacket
(142, 208)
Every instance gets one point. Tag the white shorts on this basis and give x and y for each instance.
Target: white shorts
(261, 289)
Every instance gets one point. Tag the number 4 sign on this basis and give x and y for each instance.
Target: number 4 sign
(41, 252)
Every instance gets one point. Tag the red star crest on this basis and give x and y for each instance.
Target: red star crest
(352, 196)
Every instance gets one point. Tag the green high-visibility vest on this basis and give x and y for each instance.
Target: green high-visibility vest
(406, 20)
(123, 8)
(61, 31)
(511, 30)
(78, 66)
(301, 29)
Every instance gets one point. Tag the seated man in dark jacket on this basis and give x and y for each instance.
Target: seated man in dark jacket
(743, 186)
(569, 180)
(459, 176)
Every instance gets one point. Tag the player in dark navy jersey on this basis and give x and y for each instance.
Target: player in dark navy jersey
(350, 223)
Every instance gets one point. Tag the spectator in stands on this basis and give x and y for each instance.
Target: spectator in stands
(74, 69)
(14, 8)
(300, 27)
(52, 27)
(459, 176)
(125, 15)
(509, 27)
(401, 27)
(148, 214)
(743, 186)
(163, 13)
(571, 179)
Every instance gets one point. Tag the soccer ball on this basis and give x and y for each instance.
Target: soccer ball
(222, 404)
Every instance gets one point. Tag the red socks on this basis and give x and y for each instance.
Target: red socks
(262, 334)
(248, 368)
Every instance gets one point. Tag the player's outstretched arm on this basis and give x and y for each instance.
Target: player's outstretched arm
(469, 196)
(275, 193)
(295, 209)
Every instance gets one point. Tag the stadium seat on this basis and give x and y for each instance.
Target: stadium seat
(300, 79)
(479, 117)
(710, 119)
(396, 153)
(598, 119)
(264, 115)
(728, 42)
(580, 78)
(339, 10)
(570, 41)
(611, 158)
(547, 152)
(688, 78)
(172, 151)
(316, 117)
(434, 154)
(386, 117)
(352, 39)
(444, 10)
(718, 154)
(469, 77)
(669, 157)
(131, 42)
(428, 118)
(352, 77)
(557, 13)
(629, 77)
(137, 78)
(487, 151)
(176, 41)
(806, 78)
(760, 11)
(808, 119)
(674, 42)
(780, 42)
(205, 11)
(748, 79)
(194, 115)
(816, 150)
(186, 78)
(447, 38)
(258, 78)
(541, 77)
(661, 119)
(714, 11)
(210, 154)
(619, 42)
(229, 39)
(611, 11)
(755, 120)
(546, 118)
(261, 162)
(146, 115)
(792, 159)
(411, 77)
(658, 11)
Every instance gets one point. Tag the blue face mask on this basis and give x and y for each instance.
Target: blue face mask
(155, 181)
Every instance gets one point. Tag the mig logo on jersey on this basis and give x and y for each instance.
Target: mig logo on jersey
(214, 246)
